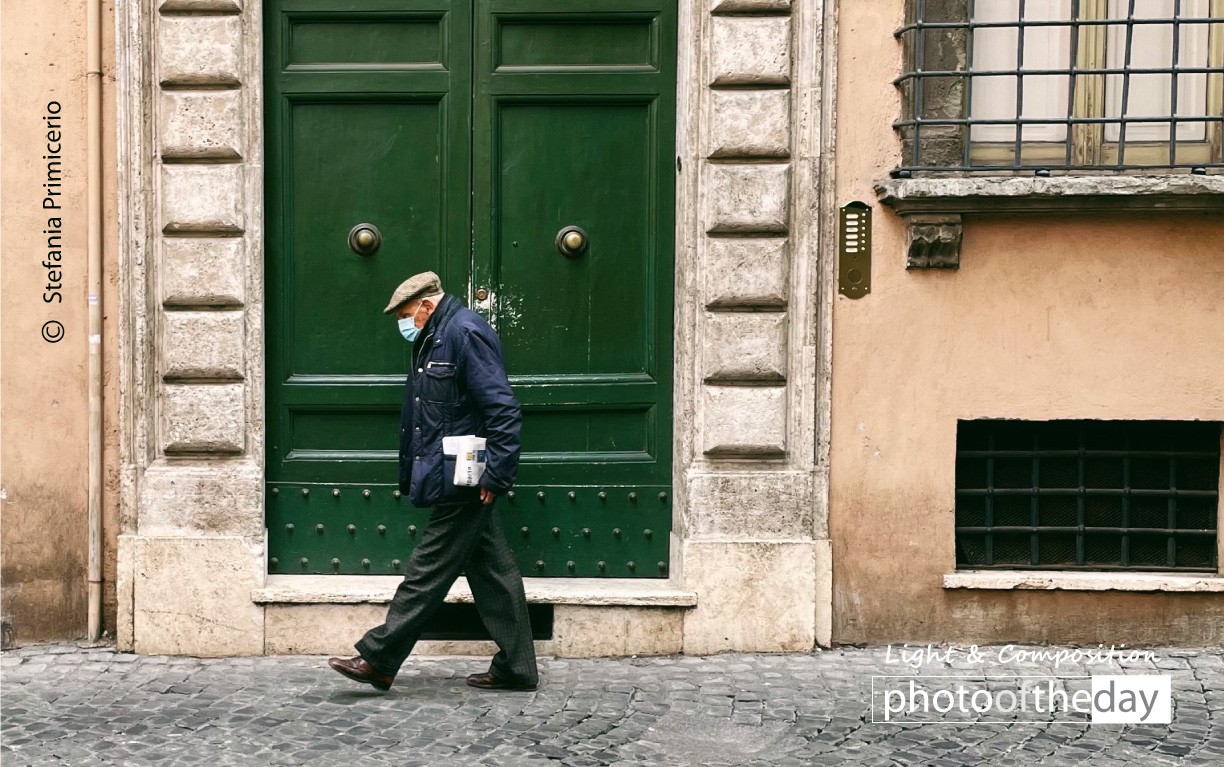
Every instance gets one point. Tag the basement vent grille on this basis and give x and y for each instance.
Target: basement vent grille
(1087, 495)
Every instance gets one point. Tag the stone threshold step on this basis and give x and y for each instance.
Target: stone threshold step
(357, 589)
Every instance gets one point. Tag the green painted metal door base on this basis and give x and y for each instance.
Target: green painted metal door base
(471, 134)
(616, 531)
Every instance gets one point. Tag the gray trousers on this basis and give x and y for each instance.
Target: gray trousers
(466, 539)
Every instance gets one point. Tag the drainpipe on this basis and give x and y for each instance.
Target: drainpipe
(93, 185)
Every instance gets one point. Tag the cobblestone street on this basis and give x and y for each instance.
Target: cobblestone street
(64, 705)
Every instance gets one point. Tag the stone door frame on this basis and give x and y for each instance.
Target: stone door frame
(752, 345)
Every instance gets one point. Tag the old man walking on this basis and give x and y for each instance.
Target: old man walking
(457, 386)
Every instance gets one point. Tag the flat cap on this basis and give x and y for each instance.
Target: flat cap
(423, 284)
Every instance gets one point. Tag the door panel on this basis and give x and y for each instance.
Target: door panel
(328, 40)
(469, 134)
(574, 118)
(569, 41)
(572, 316)
(336, 326)
(367, 121)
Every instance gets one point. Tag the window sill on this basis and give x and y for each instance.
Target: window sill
(1025, 580)
(933, 205)
(1055, 194)
(378, 589)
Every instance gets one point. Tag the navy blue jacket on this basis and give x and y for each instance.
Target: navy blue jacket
(457, 385)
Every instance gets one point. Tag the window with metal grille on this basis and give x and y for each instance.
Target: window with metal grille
(1045, 85)
(1092, 495)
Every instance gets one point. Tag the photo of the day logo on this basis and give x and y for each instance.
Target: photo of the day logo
(1105, 699)
(1129, 699)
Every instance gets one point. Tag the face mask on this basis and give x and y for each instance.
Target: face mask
(408, 328)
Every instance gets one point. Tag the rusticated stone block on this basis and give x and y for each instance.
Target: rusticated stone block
(748, 272)
(756, 505)
(203, 418)
(933, 242)
(198, 271)
(750, 51)
(748, 421)
(774, 582)
(201, 125)
(745, 346)
(202, 198)
(752, 123)
(205, 497)
(213, 6)
(747, 198)
(205, 345)
(199, 50)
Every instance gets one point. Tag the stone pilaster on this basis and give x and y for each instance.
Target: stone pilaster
(192, 207)
(751, 526)
(744, 200)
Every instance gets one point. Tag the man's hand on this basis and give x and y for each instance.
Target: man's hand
(487, 496)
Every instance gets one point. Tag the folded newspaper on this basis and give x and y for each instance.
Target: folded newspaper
(469, 452)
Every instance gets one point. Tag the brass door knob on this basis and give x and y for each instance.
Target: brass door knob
(572, 241)
(364, 239)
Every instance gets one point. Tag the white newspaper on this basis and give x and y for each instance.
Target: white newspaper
(469, 452)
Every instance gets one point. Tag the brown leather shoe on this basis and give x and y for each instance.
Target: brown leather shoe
(489, 682)
(360, 671)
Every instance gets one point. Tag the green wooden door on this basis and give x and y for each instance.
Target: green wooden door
(469, 134)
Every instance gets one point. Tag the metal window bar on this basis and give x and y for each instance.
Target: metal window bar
(1018, 146)
(1080, 514)
(912, 35)
(990, 481)
(1182, 543)
(1035, 480)
(1126, 80)
(1125, 558)
(967, 150)
(1177, 6)
(1071, 87)
(1171, 511)
(919, 75)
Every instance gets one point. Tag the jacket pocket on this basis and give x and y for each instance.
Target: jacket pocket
(438, 383)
